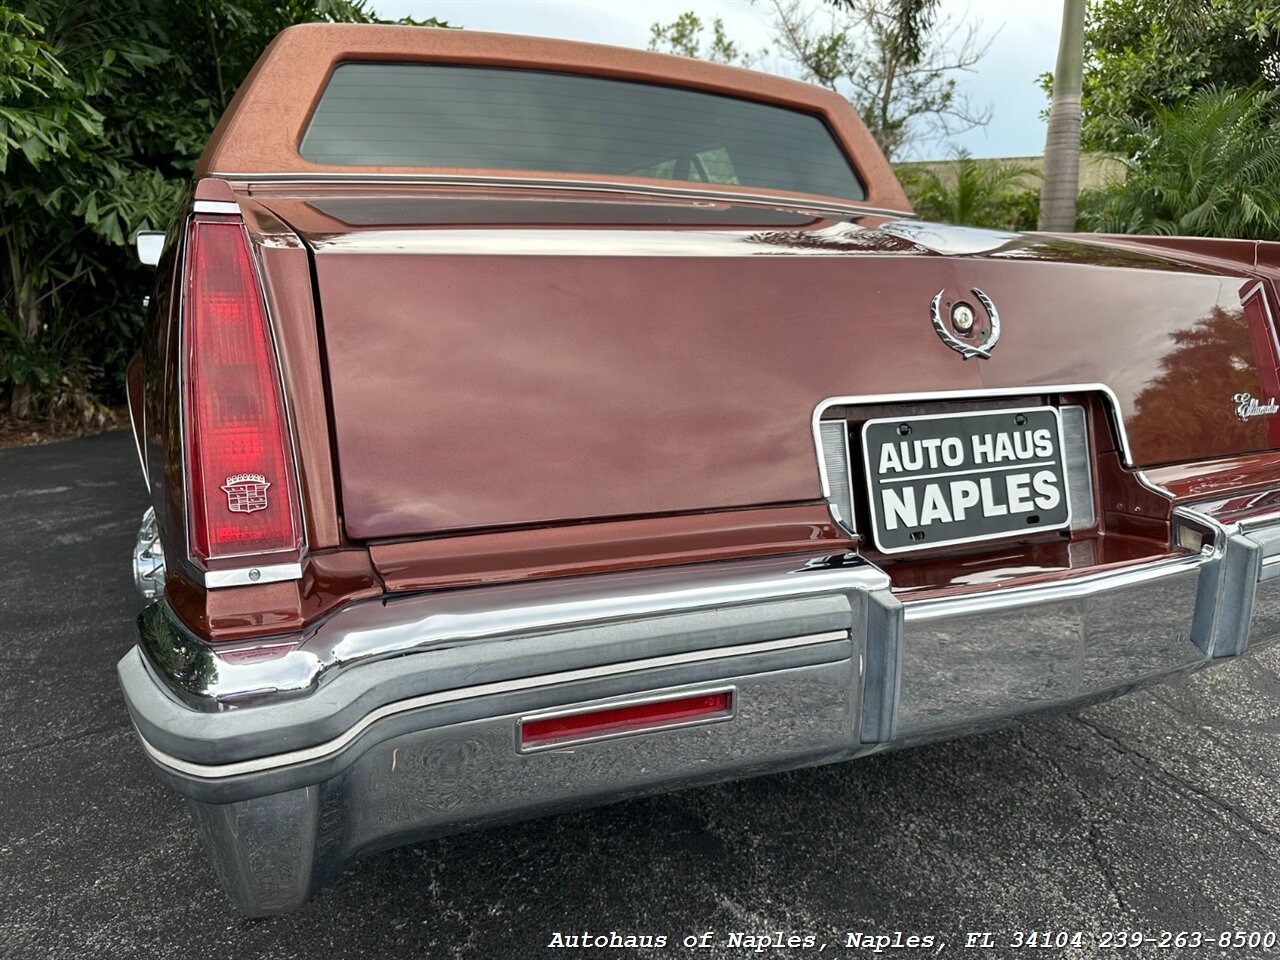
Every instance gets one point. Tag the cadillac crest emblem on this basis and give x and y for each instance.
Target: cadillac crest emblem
(963, 332)
(246, 492)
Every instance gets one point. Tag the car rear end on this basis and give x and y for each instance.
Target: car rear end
(483, 495)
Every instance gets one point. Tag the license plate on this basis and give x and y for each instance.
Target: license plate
(964, 477)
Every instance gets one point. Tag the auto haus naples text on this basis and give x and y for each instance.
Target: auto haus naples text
(752, 942)
(951, 479)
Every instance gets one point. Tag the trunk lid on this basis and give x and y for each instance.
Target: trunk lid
(498, 359)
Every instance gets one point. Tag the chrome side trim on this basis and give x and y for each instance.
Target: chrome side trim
(600, 186)
(1261, 520)
(217, 206)
(1152, 485)
(1206, 511)
(139, 437)
(338, 743)
(602, 705)
(834, 240)
(247, 576)
(867, 399)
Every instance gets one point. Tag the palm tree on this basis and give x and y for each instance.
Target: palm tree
(1062, 143)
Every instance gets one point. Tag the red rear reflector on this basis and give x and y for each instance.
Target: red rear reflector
(241, 498)
(626, 719)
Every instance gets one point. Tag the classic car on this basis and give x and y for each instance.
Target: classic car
(532, 424)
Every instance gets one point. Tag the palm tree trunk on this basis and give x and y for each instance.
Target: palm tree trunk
(1062, 144)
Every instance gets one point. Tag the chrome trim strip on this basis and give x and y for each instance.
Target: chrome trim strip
(868, 399)
(340, 742)
(178, 308)
(602, 706)
(1036, 593)
(1259, 290)
(1261, 520)
(1203, 511)
(1152, 485)
(1256, 524)
(246, 576)
(139, 437)
(217, 206)
(599, 186)
(721, 242)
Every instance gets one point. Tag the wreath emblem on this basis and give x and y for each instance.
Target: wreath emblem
(960, 342)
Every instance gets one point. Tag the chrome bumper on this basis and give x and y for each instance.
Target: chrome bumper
(388, 723)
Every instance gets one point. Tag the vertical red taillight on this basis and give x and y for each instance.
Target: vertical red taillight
(241, 494)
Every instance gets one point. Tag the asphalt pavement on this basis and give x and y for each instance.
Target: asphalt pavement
(1156, 812)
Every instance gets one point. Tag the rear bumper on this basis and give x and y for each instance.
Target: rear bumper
(393, 722)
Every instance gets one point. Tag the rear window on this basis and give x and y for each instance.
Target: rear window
(439, 115)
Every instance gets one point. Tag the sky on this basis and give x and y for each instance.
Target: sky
(1023, 34)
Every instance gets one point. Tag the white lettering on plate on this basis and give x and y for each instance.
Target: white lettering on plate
(964, 494)
(948, 502)
(899, 505)
(1005, 447)
(1046, 486)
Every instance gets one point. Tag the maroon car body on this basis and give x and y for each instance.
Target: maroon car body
(551, 486)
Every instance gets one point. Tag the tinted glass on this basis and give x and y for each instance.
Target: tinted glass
(435, 115)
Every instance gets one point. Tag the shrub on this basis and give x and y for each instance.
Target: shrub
(104, 108)
(974, 193)
(1208, 166)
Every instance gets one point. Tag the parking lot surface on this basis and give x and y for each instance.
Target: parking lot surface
(1156, 812)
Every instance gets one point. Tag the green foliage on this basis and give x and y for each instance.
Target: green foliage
(912, 21)
(894, 60)
(903, 84)
(104, 108)
(41, 111)
(683, 37)
(1209, 166)
(1139, 53)
(974, 193)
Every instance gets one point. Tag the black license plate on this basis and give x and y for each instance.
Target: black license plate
(966, 477)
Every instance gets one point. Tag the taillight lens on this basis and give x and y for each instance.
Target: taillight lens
(241, 494)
